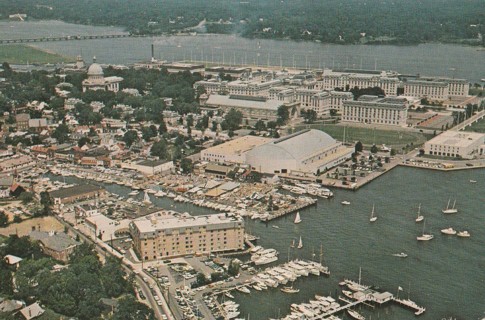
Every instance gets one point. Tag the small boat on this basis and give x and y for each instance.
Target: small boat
(463, 234)
(292, 245)
(400, 255)
(345, 202)
(424, 236)
(133, 193)
(373, 218)
(243, 289)
(229, 295)
(473, 181)
(297, 218)
(348, 294)
(300, 244)
(257, 287)
(449, 231)
(448, 209)
(354, 314)
(146, 198)
(419, 218)
(290, 290)
(275, 226)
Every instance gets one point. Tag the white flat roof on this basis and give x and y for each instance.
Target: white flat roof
(458, 138)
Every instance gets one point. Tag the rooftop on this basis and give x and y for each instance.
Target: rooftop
(458, 138)
(217, 100)
(239, 145)
(74, 191)
(54, 241)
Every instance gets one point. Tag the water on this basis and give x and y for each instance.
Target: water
(425, 59)
(445, 275)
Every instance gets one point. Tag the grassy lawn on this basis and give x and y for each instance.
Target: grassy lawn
(477, 127)
(368, 135)
(22, 54)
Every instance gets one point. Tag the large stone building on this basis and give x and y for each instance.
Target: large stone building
(306, 152)
(233, 151)
(321, 101)
(162, 236)
(251, 88)
(456, 144)
(97, 81)
(388, 81)
(436, 88)
(375, 110)
(250, 107)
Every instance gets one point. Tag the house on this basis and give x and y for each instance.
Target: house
(12, 260)
(57, 245)
(33, 311)
(10, 305)
(76, 193)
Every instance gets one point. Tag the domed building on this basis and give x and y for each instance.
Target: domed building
(97, 81)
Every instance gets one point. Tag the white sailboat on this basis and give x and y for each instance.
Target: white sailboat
(424, 236)
(372, 217)
(297, 218)
(146, 198)
(419, 218)
(448, 209)
(292, 245)
(300, 244)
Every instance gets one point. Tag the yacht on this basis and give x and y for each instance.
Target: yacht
(297, 218)
(290, 290)
(354, 314)
(300, 244)
(463, 234)
(372, 217)
(450, 231)
(419, 218)
(424, 236)
(243, 289)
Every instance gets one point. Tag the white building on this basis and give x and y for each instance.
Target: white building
(456, 144)
(233, 151)
(149, 167)
(372, 109)
(435, 88)
(160, 235)
(306, 152)
(321, 101)
(349, 79)
(251, 88)
(97, 81)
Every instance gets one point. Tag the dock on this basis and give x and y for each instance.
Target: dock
(295, 208)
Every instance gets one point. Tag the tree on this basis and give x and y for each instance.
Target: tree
(26, 197)
(159, 149)
(373, 149)
(233, 268)
(3, 219)
(233, 119)
(260, 125)
(186, 165)
(162, 128)
(130, 137)
(283, 115)
(6, 284)
(113, 278)
(359, 147)
(130, 309)
(83, 141)
(46, 202)
(61, 133)
(309, 115)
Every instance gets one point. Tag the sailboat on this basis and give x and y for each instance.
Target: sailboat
(297, 218)
(372, 217)
(300, 244)
(292, 245)
(146, 198)
(424, 237)
(419, 218)
(448, 209)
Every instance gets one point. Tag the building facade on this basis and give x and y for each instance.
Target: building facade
(456, 144)
(97, 81)
(167, 236)
(375, 110)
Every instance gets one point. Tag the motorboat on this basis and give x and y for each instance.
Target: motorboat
(400, 255)
(290, 290)
(243, 289)
(449, 231)
(345, 202)
(463, 234)
(354, 314)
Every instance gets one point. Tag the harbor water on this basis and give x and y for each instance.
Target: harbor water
(444, 275)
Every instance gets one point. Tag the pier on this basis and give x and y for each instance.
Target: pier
(295, 208)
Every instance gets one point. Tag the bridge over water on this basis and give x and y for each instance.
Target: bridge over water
(70, 38)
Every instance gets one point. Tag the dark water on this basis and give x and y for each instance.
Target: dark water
(445, 275)
(426, 59)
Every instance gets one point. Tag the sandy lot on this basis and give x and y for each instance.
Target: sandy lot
(25, 227)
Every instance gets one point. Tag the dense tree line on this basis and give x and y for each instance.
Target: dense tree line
(75, 291)
(330, 21)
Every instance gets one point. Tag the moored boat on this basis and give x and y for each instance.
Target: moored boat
(449, 231)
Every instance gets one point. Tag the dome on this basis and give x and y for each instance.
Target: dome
(95, 70)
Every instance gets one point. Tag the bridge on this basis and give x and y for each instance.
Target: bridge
(70, 38)
(468, 122)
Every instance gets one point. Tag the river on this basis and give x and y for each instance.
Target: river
(445, 275)
(426, 59)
